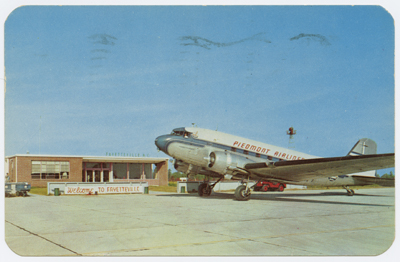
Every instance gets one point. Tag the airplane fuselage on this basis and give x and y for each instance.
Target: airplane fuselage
(195, 145)
(213, 153)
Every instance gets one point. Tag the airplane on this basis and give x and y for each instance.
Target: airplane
(224, 156)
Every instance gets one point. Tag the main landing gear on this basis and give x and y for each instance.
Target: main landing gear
(205, 188)
(350, 192)
(243, 192)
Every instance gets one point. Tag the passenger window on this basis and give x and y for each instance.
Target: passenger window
(258, 155)
(245, 152)
(233, 149)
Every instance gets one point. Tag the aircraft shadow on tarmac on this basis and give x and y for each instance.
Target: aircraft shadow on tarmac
(298, 198)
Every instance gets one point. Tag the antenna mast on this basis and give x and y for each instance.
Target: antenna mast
(291, 132)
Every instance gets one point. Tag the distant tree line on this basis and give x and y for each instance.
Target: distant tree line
(389, 176)
(176, 175)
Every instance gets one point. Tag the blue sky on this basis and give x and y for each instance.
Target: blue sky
(87, 80)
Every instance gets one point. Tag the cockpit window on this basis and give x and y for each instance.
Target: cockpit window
(180, 133)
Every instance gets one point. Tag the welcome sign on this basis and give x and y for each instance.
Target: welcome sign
(103, 189)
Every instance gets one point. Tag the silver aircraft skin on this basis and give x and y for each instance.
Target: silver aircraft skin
(224, 156)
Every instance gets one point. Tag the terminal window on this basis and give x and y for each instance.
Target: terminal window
(135, 171)
(50, 170)
(148, 171)
(120, 170)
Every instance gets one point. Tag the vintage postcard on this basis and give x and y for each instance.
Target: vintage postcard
(199, 130)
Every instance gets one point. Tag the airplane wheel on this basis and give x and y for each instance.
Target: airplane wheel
(265, 188)
(241, 194)
(281, 188)
(350, 193)
(203, 190)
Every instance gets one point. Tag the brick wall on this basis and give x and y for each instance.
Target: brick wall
(11, 169)
(20, 170)
(24, 167)
(162, 173)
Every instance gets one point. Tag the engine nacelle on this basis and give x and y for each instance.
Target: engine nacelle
(186, 168)
(225, 162)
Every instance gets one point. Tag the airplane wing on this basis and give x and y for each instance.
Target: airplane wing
(368, 180)
(307, 169)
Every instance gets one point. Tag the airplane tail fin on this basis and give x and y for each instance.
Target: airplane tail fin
(364, 146)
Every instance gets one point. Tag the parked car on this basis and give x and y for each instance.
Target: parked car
(269, 186)
(17, 188)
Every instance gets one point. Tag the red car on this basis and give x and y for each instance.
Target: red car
(269, 186)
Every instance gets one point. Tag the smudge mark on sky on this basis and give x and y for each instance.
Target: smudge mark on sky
(100, 54)
(208, 44)
(98, 58)
(314, 37)
(100, 51)
(103, 39)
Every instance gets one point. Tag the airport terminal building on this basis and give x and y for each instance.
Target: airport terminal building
(40, 169)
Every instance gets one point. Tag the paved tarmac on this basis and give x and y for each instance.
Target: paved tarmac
(291, 223)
